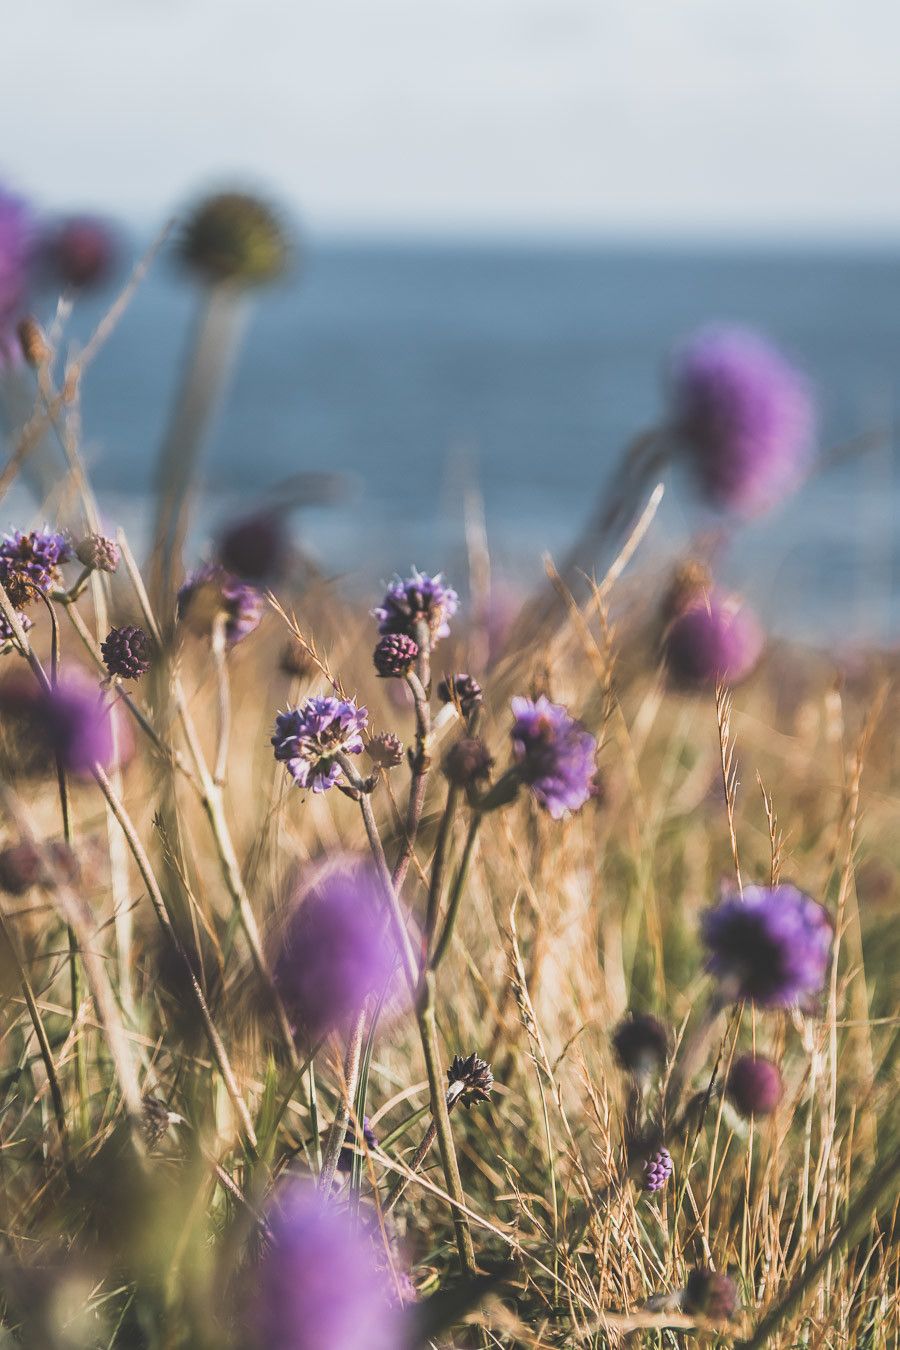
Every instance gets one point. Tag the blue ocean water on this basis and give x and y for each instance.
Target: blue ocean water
(416, 369)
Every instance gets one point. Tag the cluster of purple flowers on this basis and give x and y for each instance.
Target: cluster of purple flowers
(30, 563)
(745, 415)
(554, 755)
(334, 950)
(772, 945)
(210, 593)
(308, 738)
(419, 599)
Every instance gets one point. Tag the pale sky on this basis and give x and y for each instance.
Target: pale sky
(737, 117)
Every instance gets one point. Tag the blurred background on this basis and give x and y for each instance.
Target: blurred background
(506, 215)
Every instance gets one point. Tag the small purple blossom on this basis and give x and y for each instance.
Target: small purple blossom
(308, 737)
(317, 1286)
(127, 652)
(417, 599)
(31, 562)
(771, 946)
(746, 417)
(394, 655)
(81, 251)
(657, 1170)
(256, 547)
(554, 755)
(334, 949)
(211, 593)
(755, 1086)
(69, 721)
(713, 638)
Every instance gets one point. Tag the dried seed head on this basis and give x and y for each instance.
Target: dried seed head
(98, 553)
(385, 750)
(470, 1079)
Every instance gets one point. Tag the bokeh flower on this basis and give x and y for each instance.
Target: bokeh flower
(641, 1044)
(334, 950)
(317, 1286)
(210, 593)
(419, 598)
(713, 639)
(235, 239)
(772, 945)
(70, 721)
(745, 415)
(308, 737)
(554, 755)
(463, 690)
(755, 1086)
(255, 547)
(127, 652)
(711, 1293)
(81, 251)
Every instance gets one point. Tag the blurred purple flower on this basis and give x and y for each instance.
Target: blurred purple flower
(210, 592)
(771, 946)
(16, 249)
(308, 737)
(746, 416)
(81, 251)
(417, 599)
(255, 547)
(31, 562)
(317, 1286)
(714, 638)
(70, 721)
(754, 1086)
(711, 1293)
(554, 754)
(641, 1044)
(334, 950)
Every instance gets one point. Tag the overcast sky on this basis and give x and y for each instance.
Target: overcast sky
(664, 116)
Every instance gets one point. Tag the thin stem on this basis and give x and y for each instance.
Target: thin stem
(456, 894)
(219, 1053)
(338, 1133)
(437, 864)
(419, 682)
(223, 689)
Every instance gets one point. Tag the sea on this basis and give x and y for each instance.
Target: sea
(442, 383)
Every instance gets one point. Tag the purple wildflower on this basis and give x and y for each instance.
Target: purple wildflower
(210, 593)
(81, 251)
(657, 1170)
(318, 1286)
(746, 416)
(334, 950)
(127, 652)
(554, 755)
(308, 737)
(417, 599)
(31, 562)
(771, 946)
(712, 639)
(256, 547)
(69, 721)
(754, 1086)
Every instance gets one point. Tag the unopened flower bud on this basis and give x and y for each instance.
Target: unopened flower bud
(385, 750)
(469, 1079)
(754, 1086)
(33, 342)
(98, 553)
(467, 762)
(395, 655)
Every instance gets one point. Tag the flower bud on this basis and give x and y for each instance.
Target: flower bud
(395, 655)
(385, 750)
(98, 553)
(233, 237)
(467, 762)
(754, 1086)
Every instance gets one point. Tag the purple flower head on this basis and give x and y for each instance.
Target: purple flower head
(308, 737)
(211, 592)
(256, 547)
(334, 949)
(712, 639)
(554, 755)
(127, 652)
(772, 946)
(754, 1086)
(657, 1170)
(70, 721)
(81, 252)
(318, 1286)
(394, 655)
(31, 562)
(417, 599)
(746, 416)
(16, 246)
